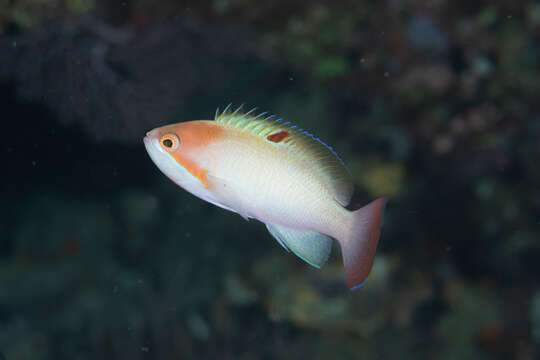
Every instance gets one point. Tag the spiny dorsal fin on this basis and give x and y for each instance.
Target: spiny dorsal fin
(320, 156)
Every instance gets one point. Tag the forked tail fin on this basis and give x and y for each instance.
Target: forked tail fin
(360, 244)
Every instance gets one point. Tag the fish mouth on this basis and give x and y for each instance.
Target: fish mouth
(148, 138)
(157, 154)
(147, 143)
(165, 162)
(152, 143)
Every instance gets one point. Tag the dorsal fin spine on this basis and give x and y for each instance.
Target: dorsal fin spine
(233, 119)
(263, 130)
(248, 114)
(257, 125)
(261, 115)
(237, 110)
(226, 110)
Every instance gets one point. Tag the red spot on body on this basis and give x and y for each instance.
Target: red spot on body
(278, 137)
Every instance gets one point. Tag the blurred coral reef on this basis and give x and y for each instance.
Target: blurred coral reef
(433, 104)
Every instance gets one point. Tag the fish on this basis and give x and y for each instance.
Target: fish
(262, 167)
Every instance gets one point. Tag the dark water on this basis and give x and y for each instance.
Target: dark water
(433, 105)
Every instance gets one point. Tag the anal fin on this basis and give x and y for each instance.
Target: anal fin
(312, 247)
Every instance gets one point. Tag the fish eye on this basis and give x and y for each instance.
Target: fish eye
(170, 142)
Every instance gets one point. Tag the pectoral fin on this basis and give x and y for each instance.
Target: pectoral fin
(221, 190)
(312, 247)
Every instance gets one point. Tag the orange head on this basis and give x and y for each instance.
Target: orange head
(173, 148)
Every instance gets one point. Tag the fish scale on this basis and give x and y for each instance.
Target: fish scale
(321, 157)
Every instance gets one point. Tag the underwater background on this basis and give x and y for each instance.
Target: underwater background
(431, 103)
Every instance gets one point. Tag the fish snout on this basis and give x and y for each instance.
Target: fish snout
(152, 134)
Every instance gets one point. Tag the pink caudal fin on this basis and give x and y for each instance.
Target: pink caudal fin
(360, 245)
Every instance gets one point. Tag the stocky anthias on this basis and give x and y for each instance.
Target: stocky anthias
(264, 168)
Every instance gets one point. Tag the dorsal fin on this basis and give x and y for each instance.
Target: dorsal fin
(312, 150)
